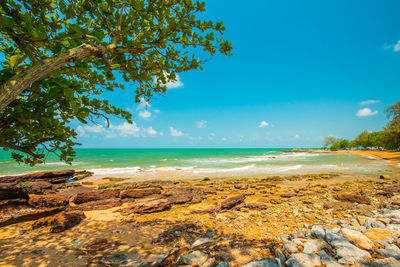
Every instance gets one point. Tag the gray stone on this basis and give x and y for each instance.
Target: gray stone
(209, 263)
(387, 252)
(196, 258)
(222, 264)
(351, 254)
(315, 245)
(369, 223)
(200, 242)
(318, 231)
(395, 227)
(303, 260)
(289, 246)
(327, 260)
(279, 255)
(388, 262)
(265, 262)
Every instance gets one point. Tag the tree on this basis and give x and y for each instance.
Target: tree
(330, 140)
(391, 132)
(340, 144)
(58, 56)
(368, 139)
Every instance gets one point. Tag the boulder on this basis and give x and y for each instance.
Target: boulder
(50, 176)
(370, 223)
(72, 192)
(173, 257)
(28, 215)
(84, 197)
(200, 242)
(387, 252)
(388, 262)
(327, 260)
(48, 201)
(181, 195)
(289, 246)
(381, 234)
(146, 205)
(232, 201)
(139, 193)
(318, 231)
(13, 191)
(39, 187)
(352, 197)
(315, 245)
(265, 262)
(357, 239)
(303, 260)
(60, 222)
(196, 258)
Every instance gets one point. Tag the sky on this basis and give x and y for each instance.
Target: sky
(300, 71)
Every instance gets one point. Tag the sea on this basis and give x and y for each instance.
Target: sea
(186, 163)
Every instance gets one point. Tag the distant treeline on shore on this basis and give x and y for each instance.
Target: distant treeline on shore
(388, 138)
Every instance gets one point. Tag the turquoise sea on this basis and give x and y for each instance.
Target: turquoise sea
(175, 163)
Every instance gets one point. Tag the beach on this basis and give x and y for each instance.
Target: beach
(140, 221)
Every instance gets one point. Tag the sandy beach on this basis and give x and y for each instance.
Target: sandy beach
(139, 223)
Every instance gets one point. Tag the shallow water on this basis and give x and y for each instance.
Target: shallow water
(204, 162)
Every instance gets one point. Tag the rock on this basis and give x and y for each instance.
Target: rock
(139, 193)
(256, 206)
(222, 264)
(381, 234)
(395, 227)
(84, 197)
(173, 257)
(387, 252)
(327, 260)
(357, 239)
(315, 245)
(388, 262)
(348, 252)
(196, 258)
(232, 201)
(60, 222)
(48, 201)
(50, 176)
(184, 194)
(352, 197)
(303, 260)
(38, 187)
(265, 262)
(275, 201)
(146, 205)
(99, 204)
(287, 195)
(209, 263)
(289, 246)
(12, 191)
(16, 201)
(96, 244)
(370, 223)
(318, 231)
(279, 254)
(384, 177)
(72, 192)
(28, 215)
(200, 242)
(395, 200)
(241, 186)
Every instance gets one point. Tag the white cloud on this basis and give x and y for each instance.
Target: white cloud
(172, 84)
(263, 124)
(201, 124)
(143, 104)
(94, 129)
(297, 136)
(161, 133)
(145, 114)
(127, 129)
(370, 102)
(396, 47)
(80, 131)
(175, 132)
(366, 112)
(151, 131)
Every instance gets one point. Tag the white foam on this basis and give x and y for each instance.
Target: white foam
(109, 171)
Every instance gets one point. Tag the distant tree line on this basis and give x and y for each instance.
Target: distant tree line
(388, 138)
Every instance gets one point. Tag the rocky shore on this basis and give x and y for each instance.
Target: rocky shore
(299, 220)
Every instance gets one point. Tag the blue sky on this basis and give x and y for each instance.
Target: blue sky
(301, 70)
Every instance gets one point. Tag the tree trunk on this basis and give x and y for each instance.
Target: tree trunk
(19, 82)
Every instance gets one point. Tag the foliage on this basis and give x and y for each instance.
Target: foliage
(391, 132)
(340, 144)
(144, 42)
(369, 139)
(330, 140)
